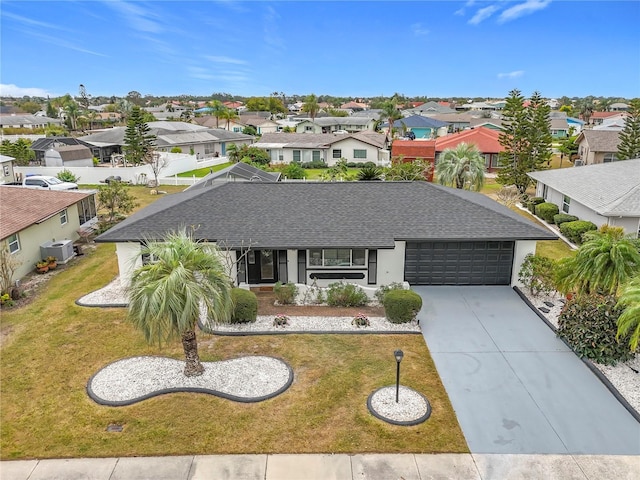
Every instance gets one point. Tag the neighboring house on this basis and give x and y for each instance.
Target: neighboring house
(428, 109)
(332, 124)
(597, 146)
(411, 150)
(456, 121)
(68, 156)
(262, 125)
(326, 147)
(576, 124)
(369, 233)
(190, 138)
(354, 106)
(559, 127)
(614, 124)
(42, 145)
(486, 139)
(422, 127)
(491, 123)
(597, 118)
(27, 121)
(34, 218)
(238, 172)
(605, 194)
(6, 169)
(619, 107)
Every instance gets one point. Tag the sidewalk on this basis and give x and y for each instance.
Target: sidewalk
(330, 467)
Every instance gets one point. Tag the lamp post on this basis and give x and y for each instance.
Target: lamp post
(398, 354)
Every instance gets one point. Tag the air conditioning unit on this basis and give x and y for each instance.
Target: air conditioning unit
(577, 163)
(62, 250)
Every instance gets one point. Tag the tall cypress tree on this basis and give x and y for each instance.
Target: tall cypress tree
(138, 139)
(629, 146)
(526, 139)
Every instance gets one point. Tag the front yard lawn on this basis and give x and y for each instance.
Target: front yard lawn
(203, 172)
(51, 347)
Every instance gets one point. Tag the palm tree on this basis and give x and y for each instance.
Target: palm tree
(390, 113)
(166, 295)
(72, 111)
(311, 106)
(603, 263)
(217, 110)
(370, 172)
(229, 114)
(462, 166)
(629, 321)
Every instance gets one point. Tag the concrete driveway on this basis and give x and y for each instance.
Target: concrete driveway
(515, 387)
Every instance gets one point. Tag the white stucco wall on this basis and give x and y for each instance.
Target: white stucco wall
(391, 264)
(129, 259)
(521, 249)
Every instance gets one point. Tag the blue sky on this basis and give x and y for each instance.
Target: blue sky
(342, 48)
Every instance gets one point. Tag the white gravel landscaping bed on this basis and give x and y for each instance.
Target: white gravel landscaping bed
(624, 376)
(132, 379)
(410, 407)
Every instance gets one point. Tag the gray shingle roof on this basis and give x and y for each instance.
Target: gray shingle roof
(239, 171)
(314, 214)
(610, 189)
(601, 140)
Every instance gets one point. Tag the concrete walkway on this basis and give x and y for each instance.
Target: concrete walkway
(515, 387)
(329, 467)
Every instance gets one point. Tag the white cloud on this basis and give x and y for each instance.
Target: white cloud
(222, 59)
(136, 16)
(483, 14)
(459, 12)
(419, 30)
(11, 90)
(31, 22)
(514, 74)
(522, 9)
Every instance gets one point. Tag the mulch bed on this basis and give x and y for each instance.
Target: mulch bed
(266, 301)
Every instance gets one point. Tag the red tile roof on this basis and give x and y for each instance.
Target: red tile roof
(412, 149)
(22, 207)
(484, 138)
(605, 114)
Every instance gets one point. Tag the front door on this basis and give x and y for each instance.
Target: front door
(262, 266)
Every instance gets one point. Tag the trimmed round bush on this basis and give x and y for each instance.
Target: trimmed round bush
(574, 230)
(589, 324)
(285, 293)
(401, 306)
(532, 202)
(547, 211)
(346, 295)
(561, 218)
(245, 306)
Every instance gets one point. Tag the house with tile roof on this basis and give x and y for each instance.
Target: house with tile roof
(421, 126)
(35, 218)
(329, 148)
(597, 146)
(605, 194)
(411, 150)
(369, 233)
(597, 118)
(486, 139)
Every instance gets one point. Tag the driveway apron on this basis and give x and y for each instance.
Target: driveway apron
(515, 387)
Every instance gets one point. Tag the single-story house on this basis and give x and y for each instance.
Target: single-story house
(456, 121)
(369, 233)
(619, 107)
(411, 150)
(597, 118)
(427, 109)
(238, 172)
(597, 146)
(332, 124)
(486, 139)
(6, 169)
(605, 194)
(27, 121)
(559, 127)
(68, 156)
(42, 145)
(32, 219)
(327, 147)
(196, 139)
(423, 127)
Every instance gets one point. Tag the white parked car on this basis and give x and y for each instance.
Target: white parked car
(43, 182)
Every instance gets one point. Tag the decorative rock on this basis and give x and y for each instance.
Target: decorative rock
(412, 407)
(548, 304)
(544, 309)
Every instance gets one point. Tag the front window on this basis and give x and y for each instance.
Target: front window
(337, 153)
(359, 153)
(565, 204)
(609, 157)
(545, 191)
(315, 155)
(296, 155)
(14, 243)
(337, 257)
(308, 128)
(63, 217)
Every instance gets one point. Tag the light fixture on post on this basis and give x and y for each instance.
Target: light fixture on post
(398, 354)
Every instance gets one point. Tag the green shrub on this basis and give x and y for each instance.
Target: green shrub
(574, 230)
(532, 202)
(402, 306)
(589, 324)
(294, 170)
(547, 211)
(561, 218)
(537, 274)
(314, 164)
(245, 306)
(382, 290)
(346, 295)
(176, 150)
(67, 176)
(285, 294)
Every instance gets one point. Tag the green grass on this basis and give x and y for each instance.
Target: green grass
(52, 347)
(203, 172)
(554, 249)
(316, 173)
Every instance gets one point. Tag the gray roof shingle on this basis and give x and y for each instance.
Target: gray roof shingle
(340, 214)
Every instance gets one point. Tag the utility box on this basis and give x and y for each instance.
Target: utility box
(62, 250)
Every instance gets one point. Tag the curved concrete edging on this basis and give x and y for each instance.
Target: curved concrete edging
(227, 396)
(101, 305)
(406, 423)
(596, 371)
